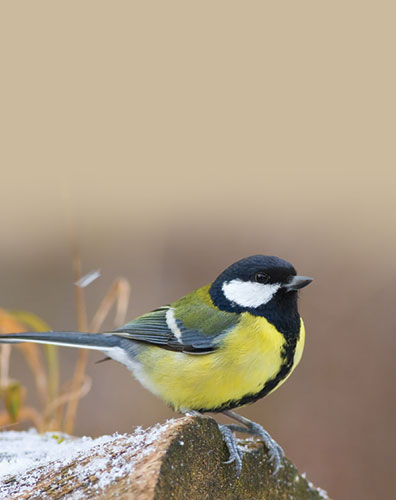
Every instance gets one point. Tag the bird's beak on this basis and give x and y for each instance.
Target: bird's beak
(297, 282)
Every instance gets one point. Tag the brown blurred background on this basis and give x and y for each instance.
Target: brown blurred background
(186, 136)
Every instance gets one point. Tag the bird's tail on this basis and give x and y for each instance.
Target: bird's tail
(97, 341)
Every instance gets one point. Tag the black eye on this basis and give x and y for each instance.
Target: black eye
(261, 278)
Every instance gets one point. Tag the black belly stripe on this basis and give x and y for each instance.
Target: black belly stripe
(287, 354)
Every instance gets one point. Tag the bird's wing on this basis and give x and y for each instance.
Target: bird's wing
(191, 325)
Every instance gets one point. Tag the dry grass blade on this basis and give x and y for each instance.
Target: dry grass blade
(82, 322)
(5, 352)
(9, 322)
(78, 379)
(68, 396)
(26, 414)
(119, 291)
(52, 415)
(36, 324)
(34, 360)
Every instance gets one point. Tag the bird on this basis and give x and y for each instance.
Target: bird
(223, 346)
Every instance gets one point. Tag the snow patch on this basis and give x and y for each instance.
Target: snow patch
(26, 456)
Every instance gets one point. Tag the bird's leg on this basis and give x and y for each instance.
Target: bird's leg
(229, 439)
(275, 451)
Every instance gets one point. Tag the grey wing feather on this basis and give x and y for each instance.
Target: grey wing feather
(153, 328)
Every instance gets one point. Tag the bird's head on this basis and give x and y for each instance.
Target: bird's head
(257, 284)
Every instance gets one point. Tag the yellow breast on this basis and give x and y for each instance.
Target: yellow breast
(247, 358)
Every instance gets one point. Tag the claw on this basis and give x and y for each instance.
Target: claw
(234, 451)
(275, 452)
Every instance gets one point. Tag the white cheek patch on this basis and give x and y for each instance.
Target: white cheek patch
(248, 293)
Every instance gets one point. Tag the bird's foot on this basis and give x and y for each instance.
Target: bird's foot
(229, 439)
(276, 454)
(233, 449)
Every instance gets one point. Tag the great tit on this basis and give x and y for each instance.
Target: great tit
(223, 346)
